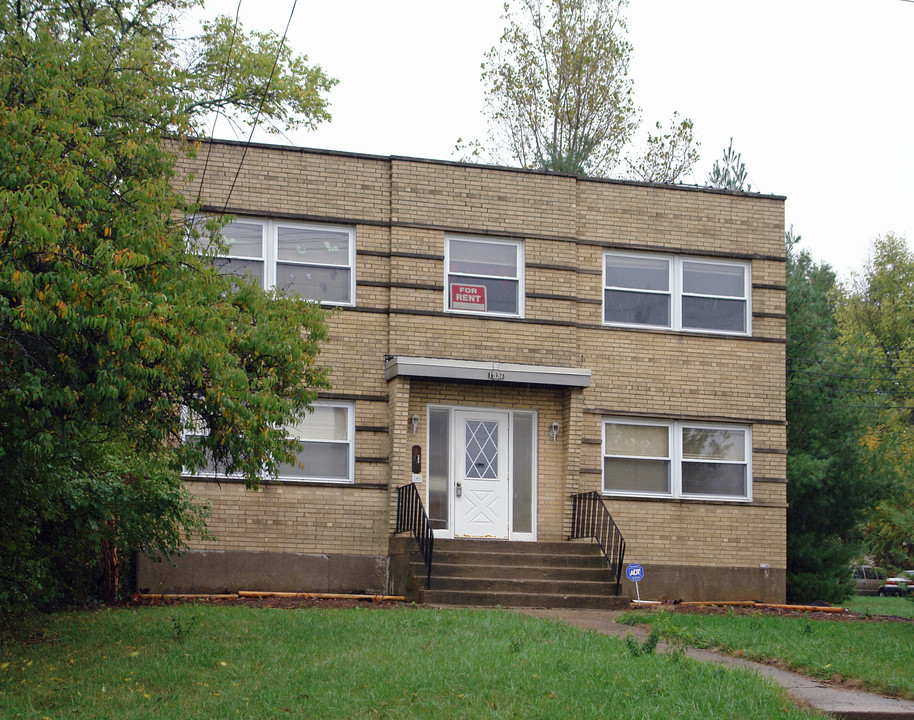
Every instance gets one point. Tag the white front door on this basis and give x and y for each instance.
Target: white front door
(481, 474)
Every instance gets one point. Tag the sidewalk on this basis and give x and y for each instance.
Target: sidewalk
(851, 704)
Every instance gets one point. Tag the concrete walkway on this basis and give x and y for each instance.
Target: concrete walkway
(820, 695)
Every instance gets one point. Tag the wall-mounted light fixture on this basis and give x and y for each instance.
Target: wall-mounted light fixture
(414, 423)
(554, 430)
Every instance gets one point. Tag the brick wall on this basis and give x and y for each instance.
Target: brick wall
(402, 210)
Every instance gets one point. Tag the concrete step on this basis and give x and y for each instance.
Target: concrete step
(514, 572)
(518, 574)
(552, 586)
(472, 598)
(514, 546)
(509, 559)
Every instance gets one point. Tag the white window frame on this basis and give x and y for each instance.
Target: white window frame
(350, 442)
(518, 277)
(676, 293)
(202, 473)
(192, 427)
(677, 460)
(270, 238)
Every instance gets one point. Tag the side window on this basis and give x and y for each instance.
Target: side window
(325, 439)
(484, 276)
(245, 250)
(714, 296)
(637, 290)
(714, 461)
(691, 294)
(636, 458)
(325, 442)
(675, 459)
(314, 262)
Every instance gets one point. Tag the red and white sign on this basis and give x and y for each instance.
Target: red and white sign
(468, 297)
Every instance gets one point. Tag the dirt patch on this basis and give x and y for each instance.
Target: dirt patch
(274, 602)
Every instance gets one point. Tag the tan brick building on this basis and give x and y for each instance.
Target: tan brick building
(535, 336)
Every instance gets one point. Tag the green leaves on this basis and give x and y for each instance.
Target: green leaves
(558, 92)
(109, 326)
(876, 320)
(828, 485)
(668, 156)
(729, 173)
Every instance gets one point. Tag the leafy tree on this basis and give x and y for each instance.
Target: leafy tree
(558, 95)
(876, 318)
(833, 478)
(558, 92)
(668, 156)
(116, 333)
(729, 173)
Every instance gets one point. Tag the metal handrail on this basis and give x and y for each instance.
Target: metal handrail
(411, 517)
(590, 518)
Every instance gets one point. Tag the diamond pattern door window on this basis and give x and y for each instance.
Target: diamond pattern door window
(481, 450)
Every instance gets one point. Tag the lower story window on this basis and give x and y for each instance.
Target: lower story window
(676, 459)
(325, 445)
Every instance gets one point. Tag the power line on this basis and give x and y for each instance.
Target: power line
(851, 407)
(263, 100)
(850, 377)
(872, 363)
(225, 71)
(887, 396)
(843, 344)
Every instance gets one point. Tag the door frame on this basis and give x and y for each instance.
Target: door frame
(455, 445)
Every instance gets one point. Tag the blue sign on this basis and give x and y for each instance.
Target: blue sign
(634, 572)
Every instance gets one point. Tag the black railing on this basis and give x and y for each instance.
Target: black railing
(411, 517)
(590, 518)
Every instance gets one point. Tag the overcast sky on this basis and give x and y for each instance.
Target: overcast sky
(816, 94)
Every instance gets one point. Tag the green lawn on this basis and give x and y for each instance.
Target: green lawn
(880, 654)
(235, 662)
(872, 605)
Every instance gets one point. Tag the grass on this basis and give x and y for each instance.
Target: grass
(872, 605)
(879, 655)
(235, 662)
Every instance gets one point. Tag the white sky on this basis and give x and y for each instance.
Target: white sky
(813, 93)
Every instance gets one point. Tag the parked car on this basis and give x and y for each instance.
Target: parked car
(898, 585)
(904, 581)
(870, 580)
(873, 581)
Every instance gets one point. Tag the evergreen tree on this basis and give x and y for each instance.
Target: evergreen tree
(729, 173)
(832, 477)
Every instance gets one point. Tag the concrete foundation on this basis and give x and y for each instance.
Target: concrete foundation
(213, 571)
(697, 583)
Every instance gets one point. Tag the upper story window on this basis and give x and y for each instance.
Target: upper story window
(677, 293)
(674, 459)
(484, 276)
(314, 262)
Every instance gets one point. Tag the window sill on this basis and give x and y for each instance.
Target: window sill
(222, 480)
(479, 314)
(677, 331)
(691, 500)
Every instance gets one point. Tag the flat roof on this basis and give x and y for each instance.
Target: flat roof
(482, 166)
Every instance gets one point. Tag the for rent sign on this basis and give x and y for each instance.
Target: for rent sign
(468, 297)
